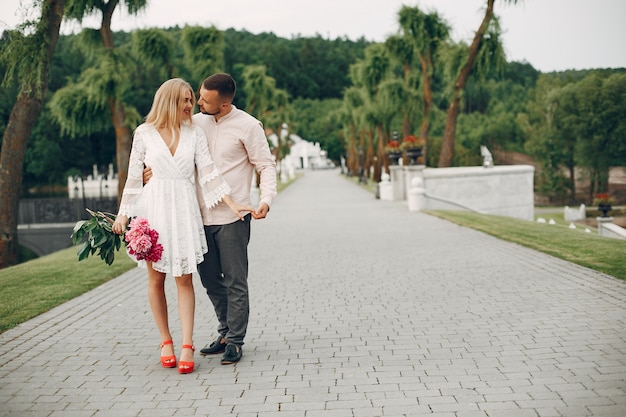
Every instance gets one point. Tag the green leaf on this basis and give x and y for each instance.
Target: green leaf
(109, 258)
(84, 251)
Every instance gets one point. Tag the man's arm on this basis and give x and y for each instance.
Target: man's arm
(261, 157)
(147, 174)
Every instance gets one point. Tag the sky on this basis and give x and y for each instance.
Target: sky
(551, 35)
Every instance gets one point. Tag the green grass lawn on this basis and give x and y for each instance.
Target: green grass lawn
(36, 286)
(573, 245)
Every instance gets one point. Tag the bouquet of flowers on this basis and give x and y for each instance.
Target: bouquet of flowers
(97, 237)
(141, 241)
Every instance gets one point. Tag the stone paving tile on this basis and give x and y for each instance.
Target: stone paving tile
(359, 308)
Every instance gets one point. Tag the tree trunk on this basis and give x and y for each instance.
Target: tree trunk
(427, 100)
(381, 160)
(407, 125)
(123, 135)
(21, 122)
(447, 145)
(123, 143)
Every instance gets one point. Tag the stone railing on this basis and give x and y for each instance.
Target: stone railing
(61, 210)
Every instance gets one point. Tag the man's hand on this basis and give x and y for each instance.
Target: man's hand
(261, 211)
(147, 174)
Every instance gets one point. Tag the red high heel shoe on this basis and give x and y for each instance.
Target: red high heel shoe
(186, 367)
(168, 361)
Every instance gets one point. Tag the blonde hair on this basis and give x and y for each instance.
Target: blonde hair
(167, 108)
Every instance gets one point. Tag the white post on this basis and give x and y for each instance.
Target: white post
(385, 188)
(415, 197)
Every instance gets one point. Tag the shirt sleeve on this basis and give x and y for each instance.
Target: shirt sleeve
(134, 182)
(210, 182)
(260, 156)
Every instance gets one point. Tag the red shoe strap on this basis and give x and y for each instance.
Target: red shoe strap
(167, 342)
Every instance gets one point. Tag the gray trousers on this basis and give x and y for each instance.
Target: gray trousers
(224, 275)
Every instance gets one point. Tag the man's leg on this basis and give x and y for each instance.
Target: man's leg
(212, 279)
(232, 240)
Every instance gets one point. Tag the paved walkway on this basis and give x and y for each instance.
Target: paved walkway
(360, 308)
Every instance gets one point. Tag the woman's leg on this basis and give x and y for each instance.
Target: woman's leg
(158, 304)
(186, 310)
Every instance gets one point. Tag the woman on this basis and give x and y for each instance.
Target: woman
(175, 150)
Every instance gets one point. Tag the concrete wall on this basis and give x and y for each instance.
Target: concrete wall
(505, 190)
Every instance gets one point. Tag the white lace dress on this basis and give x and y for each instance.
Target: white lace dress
(168, 201)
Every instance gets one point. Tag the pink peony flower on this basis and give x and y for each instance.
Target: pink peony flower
(142, 241)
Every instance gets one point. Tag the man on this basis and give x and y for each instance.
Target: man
(238, 145)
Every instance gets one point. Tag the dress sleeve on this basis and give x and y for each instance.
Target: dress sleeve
(211, 183)
(134, 181)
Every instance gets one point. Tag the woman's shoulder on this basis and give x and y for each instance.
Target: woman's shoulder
(144, 128)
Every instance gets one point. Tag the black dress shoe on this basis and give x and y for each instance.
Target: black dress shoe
(232, 354)
(218, 346)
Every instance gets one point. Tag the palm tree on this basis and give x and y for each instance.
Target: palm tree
(392, 95)
(204, 50)
(259, 89)
(32, 74)
(113, 89)
(276, 118)
(447, 146)
(401, 47)
(373, 71)
(352, 115)
(426, 31)
(154, 46)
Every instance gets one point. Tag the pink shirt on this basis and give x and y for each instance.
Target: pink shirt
(237, 144)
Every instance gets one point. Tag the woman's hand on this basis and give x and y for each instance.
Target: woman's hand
(237, 208)
(119, 225)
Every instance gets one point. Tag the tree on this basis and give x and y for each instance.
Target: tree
(259, 89)
(374, 70)
(32, 74)
(110, 81)
(352, 117)
(486, 39)
(402, 49)
(204, 51)
(156, 47)
(425, 32)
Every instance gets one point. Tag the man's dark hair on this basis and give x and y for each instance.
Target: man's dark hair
(223, 83)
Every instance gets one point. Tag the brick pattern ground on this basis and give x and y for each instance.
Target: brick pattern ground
(360, 308)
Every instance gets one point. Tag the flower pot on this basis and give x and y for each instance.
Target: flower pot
(393, 157)
(412, 154)
(604, 209)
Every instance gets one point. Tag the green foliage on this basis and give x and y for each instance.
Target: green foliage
(320, 121)
(79, 9)
(30, 40)
(491, 57)
(96, 237)
(203, 50)
(154, 47)
(82, 108)
(305, 67)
